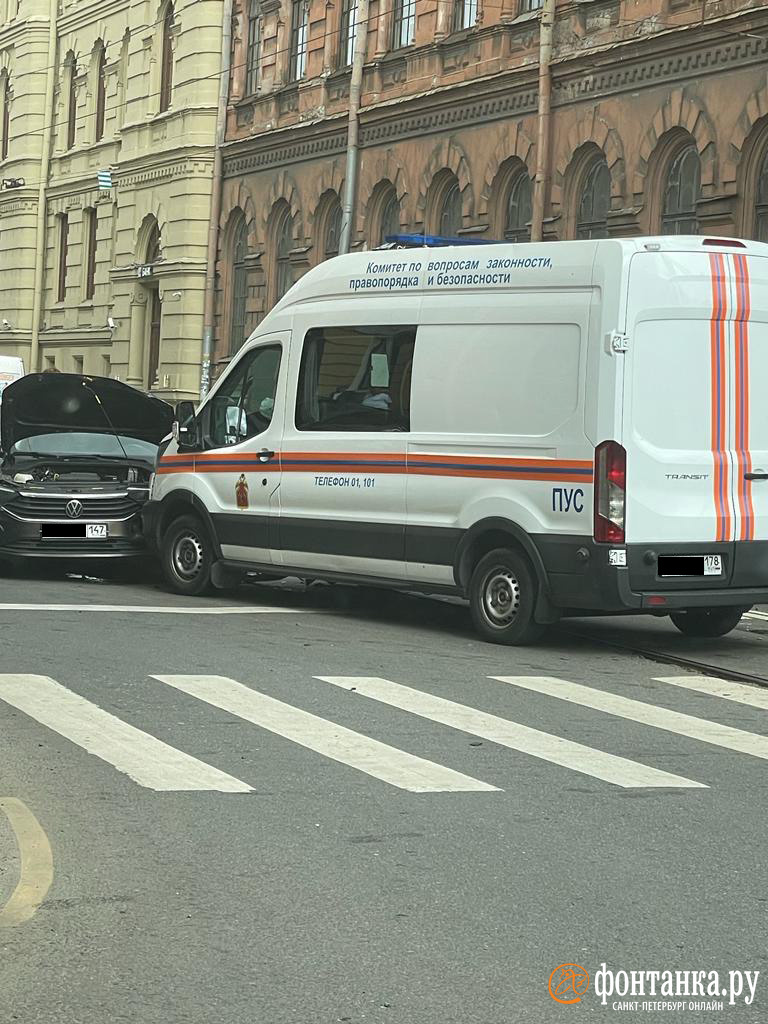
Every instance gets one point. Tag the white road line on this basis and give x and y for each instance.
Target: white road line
(646, 714)
(153, 609)
(739, 692)
(588, 761)
(398, 768)
(763, 616)
(143, 758)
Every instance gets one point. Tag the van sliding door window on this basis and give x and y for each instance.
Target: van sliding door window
(243, 405)
(356, 378)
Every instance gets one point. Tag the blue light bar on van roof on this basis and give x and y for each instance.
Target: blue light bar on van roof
(430, 241)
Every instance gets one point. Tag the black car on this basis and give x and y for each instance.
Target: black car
(78, 453)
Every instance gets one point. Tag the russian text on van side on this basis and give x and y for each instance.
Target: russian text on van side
(567, 499)
(404, 275)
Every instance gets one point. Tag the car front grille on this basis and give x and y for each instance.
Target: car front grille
(42, 506)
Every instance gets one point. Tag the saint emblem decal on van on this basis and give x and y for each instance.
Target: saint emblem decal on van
(241, 492)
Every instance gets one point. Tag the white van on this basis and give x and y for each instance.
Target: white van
(11, 369)
(544, 428)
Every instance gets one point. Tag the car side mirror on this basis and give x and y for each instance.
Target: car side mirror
(185, 430)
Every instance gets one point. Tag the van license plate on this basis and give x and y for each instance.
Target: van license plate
(96, 531)
(713, 565)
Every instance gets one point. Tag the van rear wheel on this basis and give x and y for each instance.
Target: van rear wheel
(186, 556)
(703, 622)
(502, 598)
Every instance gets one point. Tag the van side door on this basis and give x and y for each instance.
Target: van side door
(238, 468)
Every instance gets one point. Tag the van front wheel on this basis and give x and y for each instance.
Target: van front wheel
(707, 622)
(502, 597)
(186, 556)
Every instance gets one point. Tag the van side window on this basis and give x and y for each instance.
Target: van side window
(243, 405)
(356, 378)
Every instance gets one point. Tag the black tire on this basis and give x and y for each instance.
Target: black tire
(707, 622)
(502, 599)
(186, 556)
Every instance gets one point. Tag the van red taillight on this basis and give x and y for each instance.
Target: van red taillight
(610, 492)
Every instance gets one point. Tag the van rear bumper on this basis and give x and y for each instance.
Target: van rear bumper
(580, 578)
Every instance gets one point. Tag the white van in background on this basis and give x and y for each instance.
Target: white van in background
(545, 428)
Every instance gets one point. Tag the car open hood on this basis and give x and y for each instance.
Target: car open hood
(49, 403)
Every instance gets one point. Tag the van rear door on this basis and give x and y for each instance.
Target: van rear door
(677, 426)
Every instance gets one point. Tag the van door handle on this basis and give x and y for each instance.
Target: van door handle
(759, 475)
(265, 455)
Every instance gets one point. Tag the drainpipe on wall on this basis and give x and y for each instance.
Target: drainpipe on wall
(42, 198)
(216, 188)
(546, 25)
(355, 88)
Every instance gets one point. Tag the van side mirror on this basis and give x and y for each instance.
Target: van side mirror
(185, 430)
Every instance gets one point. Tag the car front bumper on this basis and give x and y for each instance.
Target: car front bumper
(24, 539)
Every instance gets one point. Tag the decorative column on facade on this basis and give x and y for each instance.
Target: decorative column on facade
(383, 29)
(137, 335)
(331, 37)
(239, 52)
(283, 36)
(443, 21)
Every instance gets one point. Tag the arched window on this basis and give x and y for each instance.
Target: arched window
(284, 244)
(6, 98)
(71, 100)
(254, 48)
(154, 252)
(761, 200)
(390, 216)
(595, 201)
(450, 211)
(333, 230)
(166, 59)
(101, 92)
(237, 332)
(517, 226)
(682, 193)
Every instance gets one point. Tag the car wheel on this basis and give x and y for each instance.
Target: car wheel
(703, 622)
(186, 556)
(502, 598)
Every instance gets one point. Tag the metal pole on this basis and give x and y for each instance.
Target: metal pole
(541, 182)
(209, 301)
(42, 200)
(355, 88)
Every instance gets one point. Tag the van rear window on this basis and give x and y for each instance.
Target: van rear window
(356, 378)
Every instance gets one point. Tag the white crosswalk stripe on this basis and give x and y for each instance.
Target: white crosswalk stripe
(600, 765)
(739, 692)
(142, 757)
(645, 714)
(406, 771)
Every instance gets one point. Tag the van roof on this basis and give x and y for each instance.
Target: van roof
(450, 267)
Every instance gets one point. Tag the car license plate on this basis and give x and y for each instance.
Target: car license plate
(713, 565)
(95, 531)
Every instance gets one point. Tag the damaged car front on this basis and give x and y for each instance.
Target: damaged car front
(78, 453)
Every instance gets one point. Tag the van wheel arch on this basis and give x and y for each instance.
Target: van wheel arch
(490, 534)
(184, 503)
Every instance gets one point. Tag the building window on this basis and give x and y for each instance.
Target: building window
(71, 102)
(348, 32)
(6, 138)
(166, 58)
(450, 212)
(356, 378)
(299, 34)
(333, 231)
(254, 48)
(404, 24)
(89, 238)
(530, 5)
(283, 273)
(77, 364)
(101, 93)
(682, 194)
(761, 219)
(390, 217)
(517, 226)
(61, 289)
(239, 285)
(464, 14)
(595, 202)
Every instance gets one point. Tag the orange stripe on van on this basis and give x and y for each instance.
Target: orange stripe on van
(719, 398)
(744, 458)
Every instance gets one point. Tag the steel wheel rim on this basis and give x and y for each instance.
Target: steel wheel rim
(188, 556)
(501, 597)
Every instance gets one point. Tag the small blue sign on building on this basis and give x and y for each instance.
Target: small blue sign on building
(105, 179)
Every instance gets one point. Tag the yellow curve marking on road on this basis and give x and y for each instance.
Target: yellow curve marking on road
(36, 874)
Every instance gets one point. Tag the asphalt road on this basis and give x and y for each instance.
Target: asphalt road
(328, 888)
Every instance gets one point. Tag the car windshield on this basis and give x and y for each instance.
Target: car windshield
(74, 444)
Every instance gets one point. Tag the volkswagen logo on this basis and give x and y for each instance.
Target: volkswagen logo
(74, 508)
